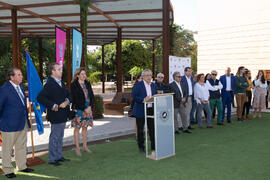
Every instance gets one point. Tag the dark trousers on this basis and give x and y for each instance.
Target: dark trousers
(247, 104)
(151, 129)
(56, 141)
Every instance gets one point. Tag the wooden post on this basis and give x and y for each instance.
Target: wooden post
(103, 69)
(69, 66)
(40, 58)
(83, 21)
(33, 161)
(119, 60)
(14, 37)
(165, 38)
(154, 57)
(19, 48)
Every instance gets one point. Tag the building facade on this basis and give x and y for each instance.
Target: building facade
(232, 34)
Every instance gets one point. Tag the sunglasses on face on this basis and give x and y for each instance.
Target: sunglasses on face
(213, 74)
(160, 77)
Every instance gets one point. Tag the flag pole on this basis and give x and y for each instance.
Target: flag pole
(31, 128)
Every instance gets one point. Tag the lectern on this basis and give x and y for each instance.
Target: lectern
(164, 126)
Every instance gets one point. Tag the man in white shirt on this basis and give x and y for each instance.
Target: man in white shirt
(179, 100)
(188, 83)
(143, 91)
(227, 93)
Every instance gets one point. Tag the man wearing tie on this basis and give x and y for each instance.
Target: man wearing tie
(143, 91)
(56, 98)
(14, 123)
(228, 82)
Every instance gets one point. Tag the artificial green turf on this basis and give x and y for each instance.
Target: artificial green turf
(238, 151)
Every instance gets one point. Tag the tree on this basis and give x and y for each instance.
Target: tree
(134, 54)
(182, 44)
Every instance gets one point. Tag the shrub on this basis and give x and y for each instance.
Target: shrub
(94, 77)
(98, 107)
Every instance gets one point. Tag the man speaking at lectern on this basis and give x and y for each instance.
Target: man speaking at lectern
(143, 91)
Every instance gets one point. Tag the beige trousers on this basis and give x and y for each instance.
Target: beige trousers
(17, 139)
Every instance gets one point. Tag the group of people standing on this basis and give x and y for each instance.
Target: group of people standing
(196, 94)
(57, 99)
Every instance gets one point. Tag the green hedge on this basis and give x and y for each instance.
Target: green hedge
(98, 107)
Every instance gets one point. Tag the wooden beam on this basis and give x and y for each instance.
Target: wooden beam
(40, 59)
(154, 57)
(14, 38)
(165, 40)
(19, 48)
(89, 13)
(69, 61)
(119, 61)
(103, 69)
(32, 14)
(105, 15)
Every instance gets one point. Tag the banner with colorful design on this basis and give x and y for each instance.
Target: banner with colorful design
(76, 50)
(60, 43)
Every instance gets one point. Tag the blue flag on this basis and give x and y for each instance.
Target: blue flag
(76, 50)
(34, 87)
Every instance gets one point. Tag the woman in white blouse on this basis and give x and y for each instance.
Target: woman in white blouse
(259, 94)
(201, 95)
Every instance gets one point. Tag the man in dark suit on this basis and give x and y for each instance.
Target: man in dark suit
(228, 82)
(188, 82)
(179, 99)
(142, 91)
(56, 98)
(14, 123)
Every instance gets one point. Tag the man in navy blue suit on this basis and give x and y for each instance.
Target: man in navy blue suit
(142, 91)
(228, 82)
(56, 98)
(13, 123)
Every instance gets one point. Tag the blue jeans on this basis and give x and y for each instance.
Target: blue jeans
(227, 99)
(56, 141)
(193, 109)
(207, 109)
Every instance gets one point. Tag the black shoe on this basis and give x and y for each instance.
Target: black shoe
(176, 132)
(228, 121)
(186, 131)
(11, 175)
(62, 159)
(141, 150)
(56, 163)
(27, 170)
(189, 127)
(180, 129)
(220, 124)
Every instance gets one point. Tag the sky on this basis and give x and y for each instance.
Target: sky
(186, 13)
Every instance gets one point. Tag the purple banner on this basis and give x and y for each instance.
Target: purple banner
(60, 45)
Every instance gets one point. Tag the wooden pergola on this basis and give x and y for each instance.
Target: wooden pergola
(107, 21)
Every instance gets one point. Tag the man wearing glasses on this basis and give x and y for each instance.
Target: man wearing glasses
(215, 101)
(161, 86)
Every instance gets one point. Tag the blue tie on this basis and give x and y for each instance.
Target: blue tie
(20, 94)
(59, 82)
